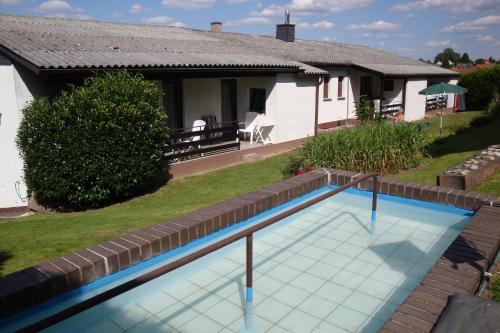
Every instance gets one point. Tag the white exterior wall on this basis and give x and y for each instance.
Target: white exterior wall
(397, 94)
(415, 103)
(289, 104)
(17, 88)
(294, 107)
(334, 107)
(200, 97)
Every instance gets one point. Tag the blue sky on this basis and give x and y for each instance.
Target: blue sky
(415, 28)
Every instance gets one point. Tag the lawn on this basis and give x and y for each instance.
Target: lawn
(456, 144)
(27, 241)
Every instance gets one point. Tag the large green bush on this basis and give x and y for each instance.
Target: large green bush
(94, 144)
(384, 148)
(481, 85)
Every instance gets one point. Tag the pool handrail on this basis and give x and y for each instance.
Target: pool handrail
(248, 233)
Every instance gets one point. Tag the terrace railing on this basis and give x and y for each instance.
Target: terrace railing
(435, 102)
(188, 143)
(180, 262)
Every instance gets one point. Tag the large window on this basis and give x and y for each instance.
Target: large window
(340, 88)
(258, 100)
(326, 86)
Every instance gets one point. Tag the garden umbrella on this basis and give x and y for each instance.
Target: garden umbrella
(441, 89)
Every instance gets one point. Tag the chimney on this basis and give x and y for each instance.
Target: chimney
(216, 26)
(286, 31)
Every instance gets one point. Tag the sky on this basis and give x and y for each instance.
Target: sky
(415, 28)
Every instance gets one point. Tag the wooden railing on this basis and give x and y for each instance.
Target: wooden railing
(188, 143)
(435, 102)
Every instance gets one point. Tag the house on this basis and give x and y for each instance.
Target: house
(300, 85)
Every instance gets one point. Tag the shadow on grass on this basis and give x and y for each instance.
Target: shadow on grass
(4, 257)
(468, 139)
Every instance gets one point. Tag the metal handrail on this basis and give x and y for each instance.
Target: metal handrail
(248, 233)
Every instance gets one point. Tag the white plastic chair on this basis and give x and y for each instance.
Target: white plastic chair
(198, 126)
(249, 125)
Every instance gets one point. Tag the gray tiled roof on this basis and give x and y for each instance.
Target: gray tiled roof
(58, 43)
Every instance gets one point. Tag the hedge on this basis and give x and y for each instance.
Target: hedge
(95, 144)
(481, 86)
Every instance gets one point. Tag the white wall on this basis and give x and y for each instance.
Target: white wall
(200, 97)
(17, 88)
(415, 103)
(294, 107)
(397, 94)
(243, 86)
(335, 107)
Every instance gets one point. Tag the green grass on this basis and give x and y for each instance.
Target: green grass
(491, 185)
(27, 241)
(456, 144)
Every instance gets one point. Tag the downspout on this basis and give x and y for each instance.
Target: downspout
(347, 100)
(316, 106)
(404, 97)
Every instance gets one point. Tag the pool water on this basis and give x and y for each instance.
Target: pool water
(320, 270)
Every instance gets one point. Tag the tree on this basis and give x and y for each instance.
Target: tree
(479, 61)
(491, 60)
(448, 58)
(465, 59)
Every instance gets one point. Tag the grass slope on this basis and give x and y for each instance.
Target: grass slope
(27, 241)
(457, 143)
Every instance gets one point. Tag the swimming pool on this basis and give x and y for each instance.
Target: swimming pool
(319, 270)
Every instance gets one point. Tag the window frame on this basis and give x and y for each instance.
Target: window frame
(326, 87)
(263, 94)
(340, 86)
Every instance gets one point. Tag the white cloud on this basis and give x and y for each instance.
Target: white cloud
(455, 6)
(325, 25)
(306, 7)
(474, 25)
(163, 20)
(136, 9)
(234, 2)
(249, 20)
(485, 39)
(188, 4)
(438, 44)
(61, 9)
(10, 2)
(375, 26)
(56, 6)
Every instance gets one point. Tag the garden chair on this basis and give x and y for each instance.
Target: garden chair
(249, 125)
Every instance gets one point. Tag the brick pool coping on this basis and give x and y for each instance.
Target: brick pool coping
(33, 285)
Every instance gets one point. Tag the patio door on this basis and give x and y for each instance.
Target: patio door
(228, 101)
(172, 101)
(366, 86)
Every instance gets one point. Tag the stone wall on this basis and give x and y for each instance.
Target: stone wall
(473, 171)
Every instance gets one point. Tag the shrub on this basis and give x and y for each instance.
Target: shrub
(494, 105)
(481, 85)
(384, 148)
(94, 144)
(364, 111)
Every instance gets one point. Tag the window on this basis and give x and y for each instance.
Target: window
(258, 100)
(340, 91)
(326, 84)
(388, 85)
